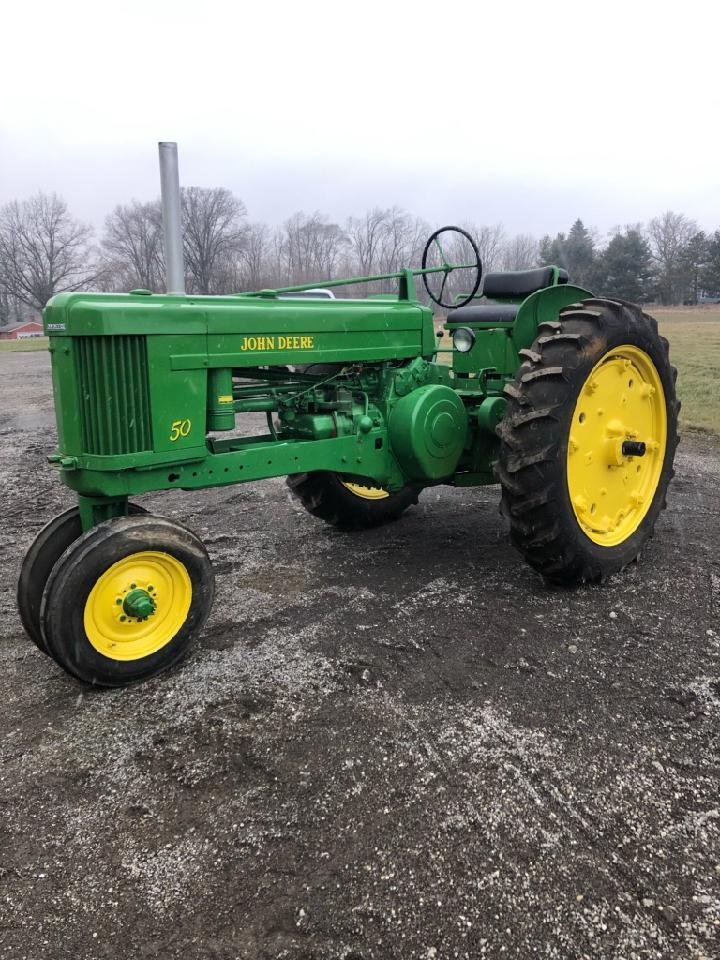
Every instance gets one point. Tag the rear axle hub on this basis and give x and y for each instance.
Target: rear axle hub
(633, 448)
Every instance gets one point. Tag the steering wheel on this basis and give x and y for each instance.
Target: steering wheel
(447, 268)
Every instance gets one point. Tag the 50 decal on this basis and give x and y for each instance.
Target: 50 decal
(180, 428)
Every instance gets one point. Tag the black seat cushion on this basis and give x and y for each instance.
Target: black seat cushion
(484, 313)
(520, 283)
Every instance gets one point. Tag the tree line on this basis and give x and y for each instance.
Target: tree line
(45, 250)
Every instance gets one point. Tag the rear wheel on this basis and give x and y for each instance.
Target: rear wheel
(347, 504)
(126, 599)
(47, 547)
(588, 441)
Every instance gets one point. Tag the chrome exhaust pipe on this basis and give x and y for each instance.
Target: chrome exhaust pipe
(171, 218)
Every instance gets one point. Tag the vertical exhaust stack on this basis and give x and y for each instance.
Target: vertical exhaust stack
(171, 215)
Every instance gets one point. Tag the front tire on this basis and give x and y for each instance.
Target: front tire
(47, 547)
(588, 441)
(126, 599)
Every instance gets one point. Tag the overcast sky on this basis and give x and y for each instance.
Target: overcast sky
(525, 113)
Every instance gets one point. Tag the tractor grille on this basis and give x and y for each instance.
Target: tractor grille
(114, 399)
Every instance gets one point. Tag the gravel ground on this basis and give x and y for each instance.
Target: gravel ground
(389, 744)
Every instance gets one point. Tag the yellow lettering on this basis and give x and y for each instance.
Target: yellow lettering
(277, 343)
(180, 428)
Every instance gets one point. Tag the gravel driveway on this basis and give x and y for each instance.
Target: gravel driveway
(392, 744)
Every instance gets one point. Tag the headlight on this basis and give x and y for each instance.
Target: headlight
(463, 339)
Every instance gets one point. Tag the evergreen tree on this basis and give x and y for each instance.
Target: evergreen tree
(552, 251)
(692, 262)
(624, 269)
(574, 252)
(579, 253)
(710, 271)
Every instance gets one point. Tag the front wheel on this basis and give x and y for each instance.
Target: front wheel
(349, 505)
(47, 547)
(588, 441)
(126, 599)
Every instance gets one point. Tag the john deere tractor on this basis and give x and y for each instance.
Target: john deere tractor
(567, 400)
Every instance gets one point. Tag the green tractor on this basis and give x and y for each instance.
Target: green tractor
(565, 399)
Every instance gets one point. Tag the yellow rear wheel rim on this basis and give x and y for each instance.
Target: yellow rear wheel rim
(112, 626)
(621, 400)
(366, 493)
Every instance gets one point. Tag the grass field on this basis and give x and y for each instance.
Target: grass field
(23, 346)
(694, 335)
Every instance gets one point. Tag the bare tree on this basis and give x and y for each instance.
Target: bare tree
(490, 241)
(132, 247)
(382, 241)
(11, 309)
(669, 237)
(255, 267)
(520, 252)
(310, 248)
(213, 235)
(366, 236)
(403, 241)
(43, 250)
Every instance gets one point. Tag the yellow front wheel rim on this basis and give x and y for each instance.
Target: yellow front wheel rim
(366, 493)
(621, 403)
(138, 605)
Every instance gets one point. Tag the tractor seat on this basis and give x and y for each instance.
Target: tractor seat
(518, 284)
(513, 285)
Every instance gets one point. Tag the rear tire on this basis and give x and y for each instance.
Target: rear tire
(348, 505)
(584, 519)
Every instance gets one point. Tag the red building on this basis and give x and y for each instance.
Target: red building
(22, 331)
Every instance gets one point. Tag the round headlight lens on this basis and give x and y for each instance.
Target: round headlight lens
(463, 339)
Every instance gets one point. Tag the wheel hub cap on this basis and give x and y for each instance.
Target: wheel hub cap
(138, 605)
(616, 446)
